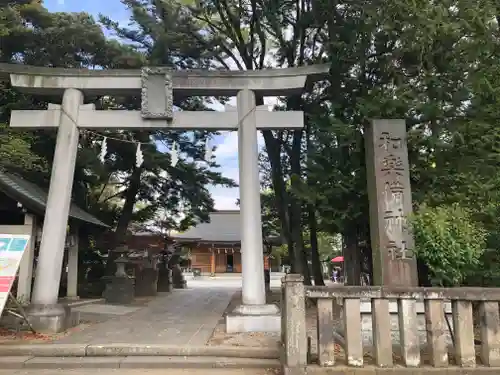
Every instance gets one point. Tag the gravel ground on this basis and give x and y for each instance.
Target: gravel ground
(220, 337)
(269, 339)
(27, 337)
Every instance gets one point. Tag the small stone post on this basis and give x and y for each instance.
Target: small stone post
(72, 287)
(178, 280)
(390, 203)
(295, 330)
(164, 279)
(164, 274)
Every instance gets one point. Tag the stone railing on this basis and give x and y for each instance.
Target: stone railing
(388, 329)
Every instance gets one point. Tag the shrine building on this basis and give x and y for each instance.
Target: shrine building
(214, 247)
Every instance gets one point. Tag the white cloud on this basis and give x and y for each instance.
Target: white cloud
(228, 148)
(225, 199)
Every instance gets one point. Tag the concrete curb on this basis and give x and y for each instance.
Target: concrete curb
(143, 362)
(135, 350)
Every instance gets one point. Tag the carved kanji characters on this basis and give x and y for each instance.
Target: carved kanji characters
(388, 142)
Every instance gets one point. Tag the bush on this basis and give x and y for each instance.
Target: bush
(448, 241)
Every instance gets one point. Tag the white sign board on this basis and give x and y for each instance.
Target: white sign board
(12, 248)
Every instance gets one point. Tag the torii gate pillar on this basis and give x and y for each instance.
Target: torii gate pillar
(45, 313)
(254, 315)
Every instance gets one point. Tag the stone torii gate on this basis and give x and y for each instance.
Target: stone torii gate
(157, 87)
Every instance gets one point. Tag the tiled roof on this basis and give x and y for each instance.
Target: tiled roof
(35, 198)
(224, 226)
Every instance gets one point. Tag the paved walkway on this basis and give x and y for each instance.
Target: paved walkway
(183, 317)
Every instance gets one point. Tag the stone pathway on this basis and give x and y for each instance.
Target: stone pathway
(183, 317)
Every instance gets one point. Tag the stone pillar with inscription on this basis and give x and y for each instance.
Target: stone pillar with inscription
(390, 203)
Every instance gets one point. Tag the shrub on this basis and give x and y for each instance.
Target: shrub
(448, 241)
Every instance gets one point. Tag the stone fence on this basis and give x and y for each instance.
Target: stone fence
(361, 330)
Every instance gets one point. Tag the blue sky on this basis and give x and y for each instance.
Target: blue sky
(111, 8)
(227, 145)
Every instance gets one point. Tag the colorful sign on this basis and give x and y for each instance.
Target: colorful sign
(12, 247)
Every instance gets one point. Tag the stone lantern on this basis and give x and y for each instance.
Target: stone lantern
(121, 288)
(121, 261)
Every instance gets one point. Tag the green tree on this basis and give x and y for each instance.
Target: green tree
(116, 191)
(448, 242)
(395, 60)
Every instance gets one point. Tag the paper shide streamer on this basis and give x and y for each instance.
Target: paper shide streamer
(104, 150)
(174, 155)
(139, 156)
(208, 151)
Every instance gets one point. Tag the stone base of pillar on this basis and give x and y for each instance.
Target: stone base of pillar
(52, 318)
(164, 280)
(120, 290)
(254, 318)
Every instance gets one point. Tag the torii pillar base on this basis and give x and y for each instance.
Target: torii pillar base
(254, 318)
(52, 318)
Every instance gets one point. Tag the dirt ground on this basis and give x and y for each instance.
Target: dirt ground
(8, 334)
(266, 340)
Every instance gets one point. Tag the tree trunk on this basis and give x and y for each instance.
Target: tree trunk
(423, 274)
(296, 208)
(352, 261)
(273, 148)
(301, 257)
(317, 270)
(315, 261)
(119, 236)
(366, 248)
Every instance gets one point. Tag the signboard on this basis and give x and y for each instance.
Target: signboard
(12, 247)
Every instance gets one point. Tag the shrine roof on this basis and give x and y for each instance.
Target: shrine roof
(34, 198)
(223, 228)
